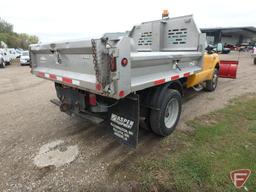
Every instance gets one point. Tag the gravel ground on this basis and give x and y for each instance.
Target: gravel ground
(34, 132)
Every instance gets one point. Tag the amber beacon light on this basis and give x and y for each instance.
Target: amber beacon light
(165, 13)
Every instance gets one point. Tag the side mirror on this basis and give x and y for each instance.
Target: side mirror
(209, 49)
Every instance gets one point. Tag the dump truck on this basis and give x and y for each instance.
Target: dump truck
(132, 79)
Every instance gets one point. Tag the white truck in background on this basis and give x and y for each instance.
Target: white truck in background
(24, 58)
(2, 63)
(13, 54)
(5, 56)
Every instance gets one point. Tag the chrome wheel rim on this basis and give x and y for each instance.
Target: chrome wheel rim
(171, 113)
(215, 80)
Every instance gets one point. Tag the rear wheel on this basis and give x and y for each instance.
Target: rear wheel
(164, 120)
(211, 85)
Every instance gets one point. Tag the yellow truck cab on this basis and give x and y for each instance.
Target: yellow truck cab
(210, 68)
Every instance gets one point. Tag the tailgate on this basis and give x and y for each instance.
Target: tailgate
(70, 63)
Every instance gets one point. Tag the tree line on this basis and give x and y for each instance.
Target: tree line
(15, 40)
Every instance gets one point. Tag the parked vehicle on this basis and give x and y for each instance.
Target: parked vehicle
(245, 47)
(2, 63)
(219, 48)
(225, 50)
(6, 56)
(24, 58)
(13, 53)
(230, 47)
(254, 55)
(134, 79)
(19, 53)
(19, 49)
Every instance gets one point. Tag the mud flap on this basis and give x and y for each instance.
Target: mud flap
(124, 120)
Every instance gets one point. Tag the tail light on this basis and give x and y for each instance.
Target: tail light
(113, 64)
(92, 99)
(124, 62)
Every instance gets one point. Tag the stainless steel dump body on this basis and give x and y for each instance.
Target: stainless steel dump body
(156, 51)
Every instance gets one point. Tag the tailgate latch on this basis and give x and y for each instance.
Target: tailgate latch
(54, 51)
(58, 58)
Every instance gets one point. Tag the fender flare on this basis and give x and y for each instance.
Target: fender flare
(161, 90)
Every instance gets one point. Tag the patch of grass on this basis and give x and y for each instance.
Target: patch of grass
(223, 141)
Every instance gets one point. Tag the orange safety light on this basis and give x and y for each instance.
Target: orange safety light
(165, 13)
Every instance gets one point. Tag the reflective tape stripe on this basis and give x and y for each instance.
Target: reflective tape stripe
(186, 74)
(67, 80)
(175, 77)
(172, 78)
(58, 78)
(40, 74)
(75, 82)
(159, 82)
(47, 75)
(52, 76)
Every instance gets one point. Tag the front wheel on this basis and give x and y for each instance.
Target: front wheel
(163, 120)
(211, 85)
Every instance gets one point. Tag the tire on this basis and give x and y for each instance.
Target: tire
(211, 85)
(2, 64)
(255, 61)
(163, 121)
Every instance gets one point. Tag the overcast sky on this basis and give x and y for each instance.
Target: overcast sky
(54, 20)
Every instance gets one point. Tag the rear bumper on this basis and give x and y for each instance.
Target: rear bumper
(25, 63)
(88, 116)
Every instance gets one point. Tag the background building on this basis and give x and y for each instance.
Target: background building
(230, 35)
